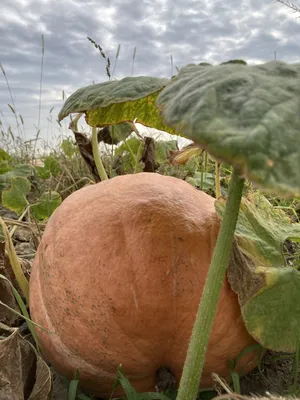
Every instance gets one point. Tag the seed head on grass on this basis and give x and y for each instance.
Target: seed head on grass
(98, 47)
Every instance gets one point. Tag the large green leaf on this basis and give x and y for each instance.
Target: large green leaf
(244, 115)
(119, 101)
(268, 289)
(14, 198)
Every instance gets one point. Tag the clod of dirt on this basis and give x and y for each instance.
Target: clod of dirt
(60, 391)
(5, 213)
(22, 234)
(24, 249)
(164, 379)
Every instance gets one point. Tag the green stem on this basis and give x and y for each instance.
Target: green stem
(138, 156)
(218, 187)
(97, 157)
(191, 375)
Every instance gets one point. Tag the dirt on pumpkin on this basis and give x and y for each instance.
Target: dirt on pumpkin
(274, 377)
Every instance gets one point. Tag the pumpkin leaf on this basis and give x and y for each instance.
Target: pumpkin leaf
(7, 172)
(162, 149)
(68, 148)
(118, 101)
(23, 170)
(51, 167)
(130, 145)
(4, 156)
(14, 197)
(119, 133)
(272, 315)
(262, 230)
(4, 167)
(245, 115)
(46, 205)
(268, 289)
(202, 180)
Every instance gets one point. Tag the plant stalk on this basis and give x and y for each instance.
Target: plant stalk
(97, 157)
(218, 186)
(15, 263)
(192, 370)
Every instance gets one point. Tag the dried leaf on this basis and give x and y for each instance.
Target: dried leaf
(148, 156)
(86, 151)
(6, 294)
(23, 373)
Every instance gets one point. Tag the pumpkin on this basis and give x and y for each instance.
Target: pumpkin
(118, 277)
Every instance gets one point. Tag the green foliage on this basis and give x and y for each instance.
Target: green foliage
(20, 170)
(131, 151)
(268, 289)
(244, 115)
(115, 102)
(120, 132)
(104, 94)
(4, 167)
(272, 314)
(45, 206)
(14, 198)
(131, 393)
(202, 180)
(68, 148)
(132, 144)
(262, 230)
(4, 156)
(51, 167)
(162, 148)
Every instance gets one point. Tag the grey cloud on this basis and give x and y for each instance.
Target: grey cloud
(191, 30)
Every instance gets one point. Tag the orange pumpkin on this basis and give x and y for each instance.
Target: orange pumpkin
(118, 277)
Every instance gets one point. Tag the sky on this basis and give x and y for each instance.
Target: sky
(191, 31)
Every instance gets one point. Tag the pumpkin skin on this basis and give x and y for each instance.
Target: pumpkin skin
(118, 276)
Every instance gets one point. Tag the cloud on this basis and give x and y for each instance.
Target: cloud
(190, 31)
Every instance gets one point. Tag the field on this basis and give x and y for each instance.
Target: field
(255, 192)
(30, 193)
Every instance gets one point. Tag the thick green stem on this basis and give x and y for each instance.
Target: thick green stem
(97, 157)
(191, 375)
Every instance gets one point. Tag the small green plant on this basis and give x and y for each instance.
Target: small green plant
(17, 184)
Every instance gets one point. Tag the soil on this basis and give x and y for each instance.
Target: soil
(275, 377)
